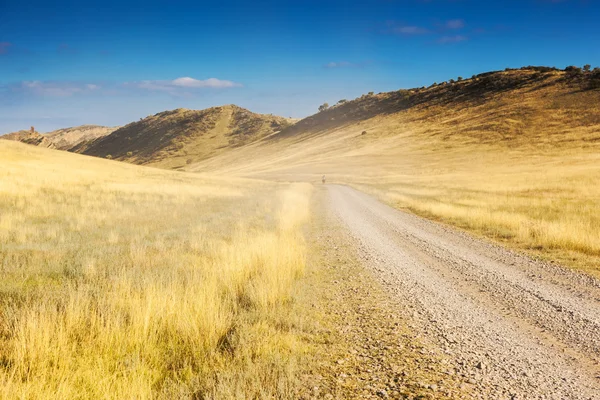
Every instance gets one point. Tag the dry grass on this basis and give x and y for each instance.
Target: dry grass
(126, 282)
(548, 206)
(520, 166)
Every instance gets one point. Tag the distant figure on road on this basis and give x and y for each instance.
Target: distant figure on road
(323, 179)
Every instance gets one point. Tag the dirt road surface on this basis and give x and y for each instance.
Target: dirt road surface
(513, 327)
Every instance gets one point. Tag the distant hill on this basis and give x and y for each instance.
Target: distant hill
(173, 139)
(67, 138)
(61, 139)
(30, 137)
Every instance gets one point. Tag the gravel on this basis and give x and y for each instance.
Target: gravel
(361, 347)
(512, 327)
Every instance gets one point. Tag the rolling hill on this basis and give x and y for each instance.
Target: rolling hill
(62, 139)
(530, 109)
(68, 138)
(172, 139)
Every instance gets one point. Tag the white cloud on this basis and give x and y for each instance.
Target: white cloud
(56, 89)
(179, 86)
(174, 85)
(208, 83)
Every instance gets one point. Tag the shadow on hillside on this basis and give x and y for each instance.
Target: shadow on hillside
(452, 94)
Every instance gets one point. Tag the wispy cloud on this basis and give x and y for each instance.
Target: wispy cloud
(452, 39)
(440, 30)
(455, 24)
(184, 86)
(346, 64)
(392, 27)
(340, 64)
(176, 85)
(55, 88)
(409, 30)
(4, 46)
(208, 83)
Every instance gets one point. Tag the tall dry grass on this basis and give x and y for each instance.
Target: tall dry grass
(547, 205)
(126, 282)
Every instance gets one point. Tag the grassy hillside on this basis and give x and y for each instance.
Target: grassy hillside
(68, 138)
(512, 155)
(119, 281)
(173, 139)
(514, 106)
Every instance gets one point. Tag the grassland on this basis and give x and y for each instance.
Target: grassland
(517, 161)
(547, 206)
(119, 281)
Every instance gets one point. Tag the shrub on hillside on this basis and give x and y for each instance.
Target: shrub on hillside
(573, 71)
(323, 107)
(539, 68)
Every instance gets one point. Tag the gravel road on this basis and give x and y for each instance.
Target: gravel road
(513, 327)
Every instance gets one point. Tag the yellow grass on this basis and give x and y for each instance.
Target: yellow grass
(118, 281)
(548, 206)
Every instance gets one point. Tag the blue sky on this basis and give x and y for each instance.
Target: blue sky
(112, 62)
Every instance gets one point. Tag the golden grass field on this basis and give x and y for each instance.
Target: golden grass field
(119, 281)
(522, 168)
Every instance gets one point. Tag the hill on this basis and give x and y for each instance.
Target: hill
(503, 105)
(513, 155)
(31, 137)
(531, 109)
(62, 139)
(172, 139)
(68, 138)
